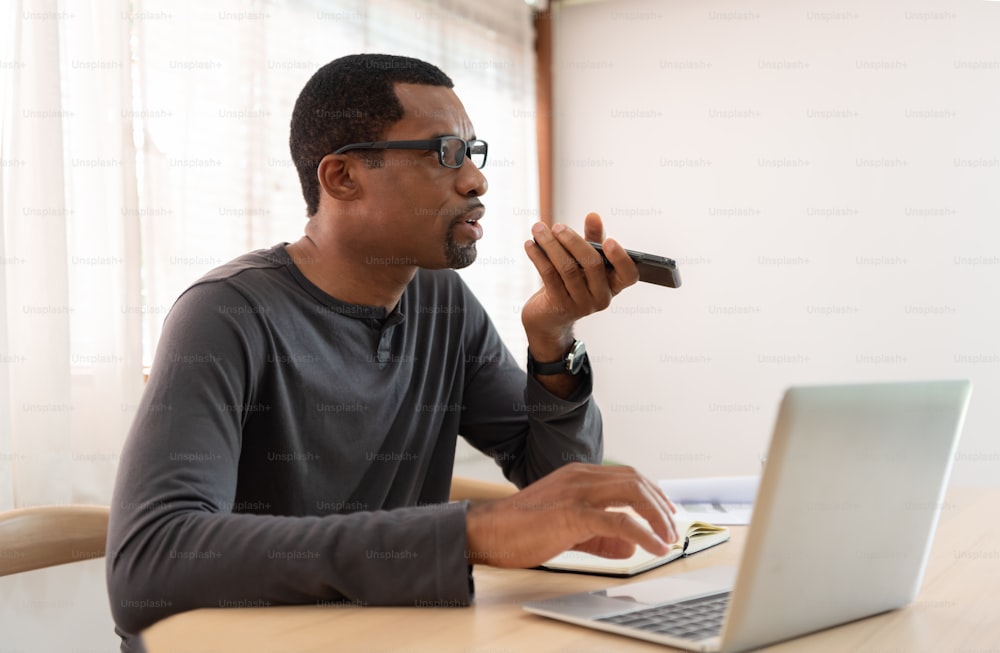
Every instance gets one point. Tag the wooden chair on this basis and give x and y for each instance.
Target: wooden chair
(44, 536)
(467, 488)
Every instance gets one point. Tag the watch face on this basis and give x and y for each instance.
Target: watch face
(577, 356)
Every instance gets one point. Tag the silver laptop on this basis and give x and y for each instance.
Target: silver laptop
(841, 530)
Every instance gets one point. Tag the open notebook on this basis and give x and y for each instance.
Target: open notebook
(694, 536)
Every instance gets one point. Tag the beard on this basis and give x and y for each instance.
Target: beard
(458, 256)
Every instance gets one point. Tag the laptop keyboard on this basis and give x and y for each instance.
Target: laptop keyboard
(693, 619)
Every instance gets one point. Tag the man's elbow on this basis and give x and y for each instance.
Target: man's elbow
(137, 600)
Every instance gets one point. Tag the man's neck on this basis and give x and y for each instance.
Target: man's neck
(342, 275)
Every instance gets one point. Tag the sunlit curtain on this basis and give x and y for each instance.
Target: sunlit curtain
(145, 142)
(71, 355)
(217, 85)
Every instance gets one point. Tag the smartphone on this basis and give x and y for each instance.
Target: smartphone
(652, 268)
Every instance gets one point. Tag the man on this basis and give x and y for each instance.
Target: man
(296, 439)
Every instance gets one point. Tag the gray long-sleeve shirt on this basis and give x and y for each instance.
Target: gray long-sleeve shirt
(292, 448)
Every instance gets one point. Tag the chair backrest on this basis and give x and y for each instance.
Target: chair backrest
(43, 536)
(476, 490)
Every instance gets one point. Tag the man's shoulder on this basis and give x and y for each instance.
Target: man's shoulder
(258, 260)
(253, 278)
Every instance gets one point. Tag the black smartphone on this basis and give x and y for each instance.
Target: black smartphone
(652, 268)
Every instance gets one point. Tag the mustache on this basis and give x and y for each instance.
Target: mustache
(461, 212)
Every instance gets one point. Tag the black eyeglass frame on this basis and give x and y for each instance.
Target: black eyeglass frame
(430, 144)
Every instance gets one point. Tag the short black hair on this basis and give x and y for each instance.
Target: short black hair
(350, 100)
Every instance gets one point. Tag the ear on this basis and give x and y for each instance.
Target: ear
(338, 177)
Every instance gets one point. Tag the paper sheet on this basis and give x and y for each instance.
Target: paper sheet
(723, 500)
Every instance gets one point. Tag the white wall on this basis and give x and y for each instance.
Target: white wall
(827, 176)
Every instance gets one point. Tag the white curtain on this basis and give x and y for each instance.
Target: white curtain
(145, 142)
(218, 82)
(71, 358)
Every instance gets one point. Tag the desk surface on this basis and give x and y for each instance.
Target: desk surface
(957, 609)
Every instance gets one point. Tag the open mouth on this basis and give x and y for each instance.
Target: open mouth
(473, 216)
(469, 223)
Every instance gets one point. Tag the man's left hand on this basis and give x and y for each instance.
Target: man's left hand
(575, 283)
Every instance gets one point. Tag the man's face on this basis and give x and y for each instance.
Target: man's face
(430, 211)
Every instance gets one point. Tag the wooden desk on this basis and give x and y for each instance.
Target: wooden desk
(958, 609)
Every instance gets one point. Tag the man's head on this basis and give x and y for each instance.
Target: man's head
(350, 100)
(415, 204)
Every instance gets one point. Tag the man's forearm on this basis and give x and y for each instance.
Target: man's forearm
(158, 566)
(560, 431)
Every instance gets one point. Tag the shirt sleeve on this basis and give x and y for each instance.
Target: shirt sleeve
(175, 542)
(511, 417)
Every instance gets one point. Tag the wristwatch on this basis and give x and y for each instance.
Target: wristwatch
(571, 363)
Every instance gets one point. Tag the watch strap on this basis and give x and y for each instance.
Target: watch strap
(555, 367)
(573, 362)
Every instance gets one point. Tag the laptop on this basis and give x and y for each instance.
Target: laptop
(841, 530)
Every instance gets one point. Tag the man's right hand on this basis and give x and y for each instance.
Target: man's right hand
(567, 510)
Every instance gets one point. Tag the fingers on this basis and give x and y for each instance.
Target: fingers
(593, 228)
(551, 277)
(569, 509)
(620, 525)
(548, 247)
(625, 272)
(577, 267)
(607, 547)
(642, 496)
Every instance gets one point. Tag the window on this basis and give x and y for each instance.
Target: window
(144, 142)
(214, 93)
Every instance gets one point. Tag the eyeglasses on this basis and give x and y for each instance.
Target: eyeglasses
(452, 150)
